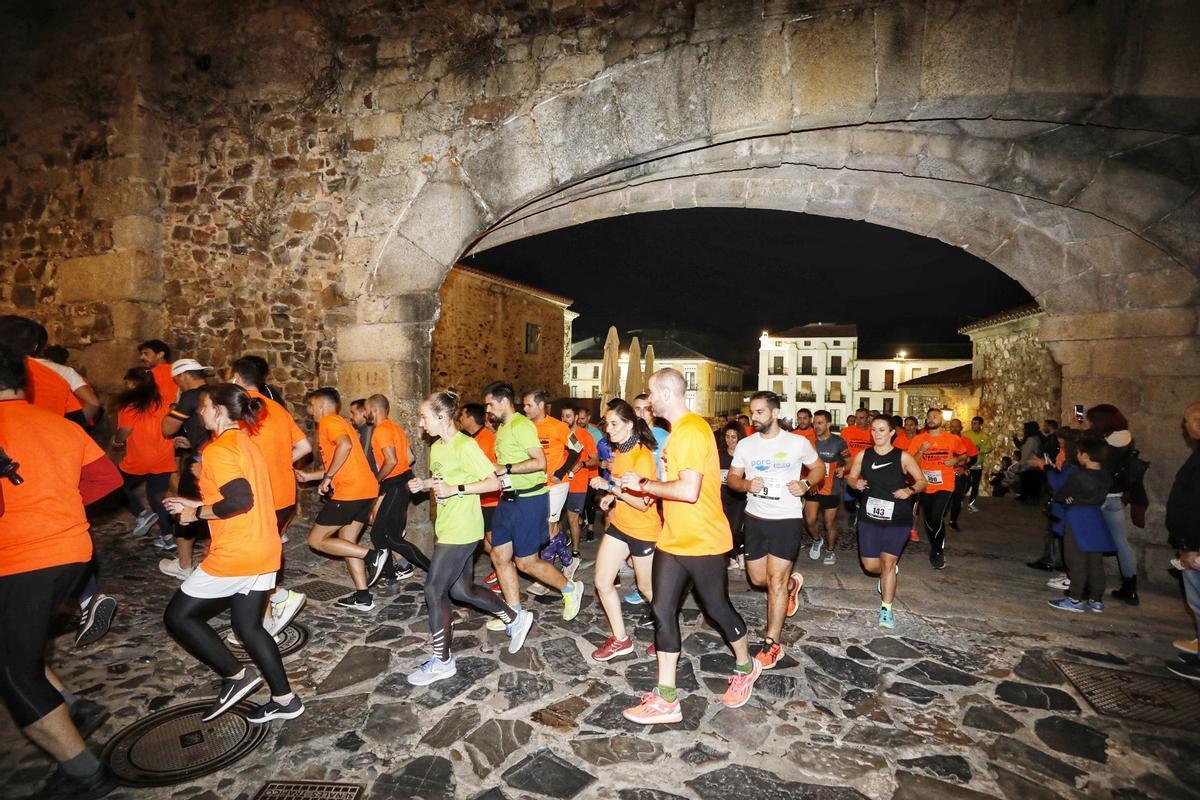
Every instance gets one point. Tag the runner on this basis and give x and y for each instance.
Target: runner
(769, 468)
(393, 457)
(691, 552)
(579, 476)
(44, 387)
(938, 453)
(562, 453)
(183, 425)
(983, 443)
(348, 488)
(857, 435)
(641, 405)
(824, 499)
(887, 510)
(282, 444)
(358, 418)
(733, 502)
(460, 474)
(519, 529)
(583, 417)
(238, 572)
(634, 524)
(962, 475)
(155, 355)
(149, 458)
(744, 421)
(54, 358)
(45, 550)
(904, 435)
(804, 426)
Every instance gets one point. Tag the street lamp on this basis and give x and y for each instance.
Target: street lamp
(947, 413)
(902, 354)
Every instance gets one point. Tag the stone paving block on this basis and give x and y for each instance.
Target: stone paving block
(520, 687)
(453, 725)
(324, 716)
(911, 786)
(843, 668)
(732, 781)
(990, 718)
(930, 673)
(1026, 694)
(471, 669)
(837, 763)
(952, 767)
(616, 749)
(912, 692)
(746, 726)
(642, 676)
(427, 777)
(561, 715)
(494, 741)
(1009, 750)
(1036, 667)
(546, 773)
(1018, 787)
(1073, 738)
(359, 664)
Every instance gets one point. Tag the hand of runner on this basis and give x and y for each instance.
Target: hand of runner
(756, 486)
(903, 493)
(607, 501)
(794, 488)
(305, 477)
(176, 504)
(441, 489)
(182, 443)
(326, 486)
(500, 470)
(416, 486)
(599, 484)
(631, 480)
(860, 485)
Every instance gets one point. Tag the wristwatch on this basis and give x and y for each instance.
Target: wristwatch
(508, 469)
(462, 489)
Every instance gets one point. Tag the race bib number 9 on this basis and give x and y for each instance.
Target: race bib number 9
(933, 477)
(881, 510)
(772, 489)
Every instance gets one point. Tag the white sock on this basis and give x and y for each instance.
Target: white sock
(279, 596)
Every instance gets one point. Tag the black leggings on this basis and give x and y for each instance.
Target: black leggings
(187, 619)
(976, 479)
(933, 517)
(962, 483)
(156, 489)
(670, 578)
(29, 603)
(451, 578)
(735, 512)
(392, 520)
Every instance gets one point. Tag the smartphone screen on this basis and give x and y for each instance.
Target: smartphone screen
(1079, 412)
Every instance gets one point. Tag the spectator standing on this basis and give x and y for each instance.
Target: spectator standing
(1183, 531)
(1108, 421)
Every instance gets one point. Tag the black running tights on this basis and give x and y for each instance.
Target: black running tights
(187, 619)
(392, 520)
(933, 517)
(157, 485)
(962, 485)
(451, 578)
(670, 578)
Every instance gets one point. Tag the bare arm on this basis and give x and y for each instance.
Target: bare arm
(389, 463)
(913, 470)
(736, 480)
(686, 489)
(300, 449)
(535, 463)
(90, 402)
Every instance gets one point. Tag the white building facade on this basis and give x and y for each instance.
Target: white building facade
(816, 366)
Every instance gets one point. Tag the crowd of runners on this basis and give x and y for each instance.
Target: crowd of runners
(219, 458)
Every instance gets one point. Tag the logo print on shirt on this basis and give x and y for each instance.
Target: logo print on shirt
(884, 464)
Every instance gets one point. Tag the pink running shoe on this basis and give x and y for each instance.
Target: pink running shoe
(612, 648)
(653, 710)
(741, 686)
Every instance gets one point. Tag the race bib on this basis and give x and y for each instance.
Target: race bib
(933, 477)
(724, 476)
(772, 489)
(880, 509)
(506, 482)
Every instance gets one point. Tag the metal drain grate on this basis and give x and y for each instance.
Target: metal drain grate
(309, 790)
(323, 591)
(294, 637)
(1136, 696)
(173, 745)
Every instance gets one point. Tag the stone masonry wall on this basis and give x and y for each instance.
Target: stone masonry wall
(480, 337)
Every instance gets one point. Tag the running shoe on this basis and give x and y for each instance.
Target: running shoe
(634, 598)
(768, 655)
(491, 579)
(376, 561)
(1066, 604)
(283, 612)
(886, 618)
(830, 558)
(652, 651)
(144, 522)
(971, 507)
(166, 543)
(232, 692)
(272, 710)
(654, 710)
(954, 526)
(432, 670)
(495, 587)
(912, 536)
(741, 686)
(404, 572)
(95, 620)
(644, 620)
(232, 640)
(1186, 669)
(495, 624)
(1188, 646)
(814, 552)
(519, 629)
(570, 570)
(795, 584)
(612, 648)
(1096, 606)
(1061, 582)
(170, 566)
(572, 601)
(937, 561)
(350, 601)
(61, 786)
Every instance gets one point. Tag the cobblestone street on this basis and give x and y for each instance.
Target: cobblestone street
(962, 699)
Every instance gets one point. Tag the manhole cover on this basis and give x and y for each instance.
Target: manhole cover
(1133, 695)
(294, 637)
(173, 745)
(309, 790)
(323, 590)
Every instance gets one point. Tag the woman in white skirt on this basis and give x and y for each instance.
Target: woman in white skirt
(238, 572)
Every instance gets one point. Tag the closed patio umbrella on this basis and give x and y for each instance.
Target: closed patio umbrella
(633, 373)
(610, 369)
(648, 370)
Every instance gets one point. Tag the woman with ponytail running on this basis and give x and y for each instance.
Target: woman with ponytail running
(460, 473)
(238, 572)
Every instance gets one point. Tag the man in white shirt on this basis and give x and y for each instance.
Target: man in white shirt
(55, 359)
(768, 466)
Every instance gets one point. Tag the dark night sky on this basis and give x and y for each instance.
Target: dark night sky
(737, 272)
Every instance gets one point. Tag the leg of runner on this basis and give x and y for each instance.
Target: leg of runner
(813, 526)
(976, 479)
(157, 486)
(393, 516)
(609, 558)
(933, 513)
(961, 484)
(575, 523)
(379, 541)
(341, 541)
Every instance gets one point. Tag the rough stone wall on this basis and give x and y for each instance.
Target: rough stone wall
(480, 337)
(1018, 378)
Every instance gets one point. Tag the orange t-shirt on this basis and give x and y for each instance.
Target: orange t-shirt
(645, 525)
(901, 441)
(809, 433)
(277, 433)
(579, 481)
(248, 543)
(699, 528)
(46, 389)
(43, 524)
(485, 437)
(856, 440)
(355, 480)
(166, 384)
(972, 451)
(938, 476)
(554, 435)
(389, 434)
(750, 430)
(147, 451)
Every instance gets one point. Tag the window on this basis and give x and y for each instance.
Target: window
(837, 342)
(864, 379)
(806, 366)
(776, 365)
(533, 336)
(574, 372)
(777, 387)
(889, 380)
(932, 370)
(835, 366)
(835, 392)
(836, 413)
(689, 377)
(806, 393)
(887, 406)
(595, 390)
(808, 344)
(864, 402)
(596, 373)
(917, 372)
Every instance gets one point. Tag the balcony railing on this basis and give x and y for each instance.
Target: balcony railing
(777, 371)
(806, 370)
(801, 397)
(837, 371)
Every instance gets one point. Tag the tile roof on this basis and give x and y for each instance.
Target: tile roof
(1020, 312)
(955, 376)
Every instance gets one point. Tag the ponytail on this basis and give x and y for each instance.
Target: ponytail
(243, 409)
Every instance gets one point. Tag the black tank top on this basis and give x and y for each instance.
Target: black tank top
(884, 475)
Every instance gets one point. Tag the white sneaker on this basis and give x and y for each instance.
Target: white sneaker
(814, 552)
(570, 571)
(233, 641)
(283, 612)
(170, 566)
(519, 630)
(433, 670)
(1061, 582)
(143, 523)
(830, 558)
(625, 569)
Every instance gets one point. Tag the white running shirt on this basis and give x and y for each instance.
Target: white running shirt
(778, 461)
